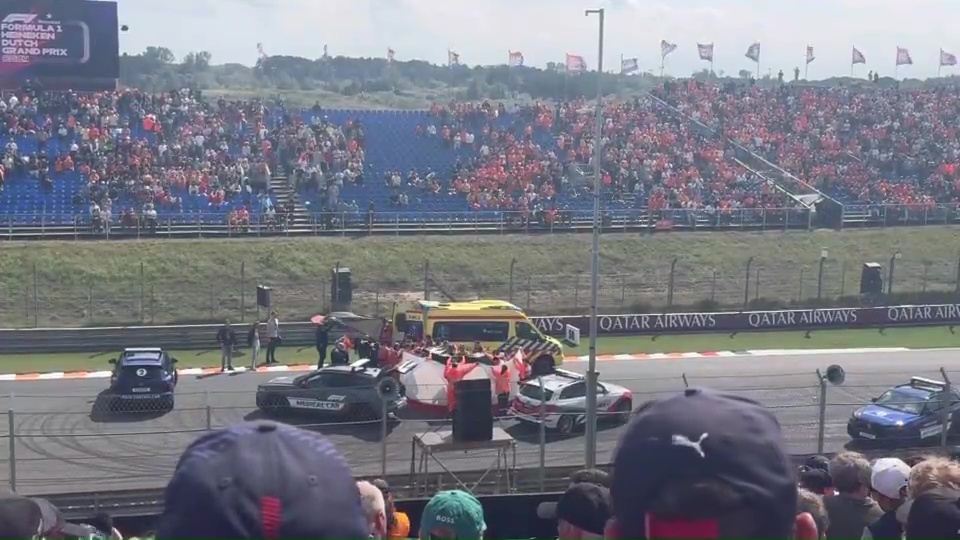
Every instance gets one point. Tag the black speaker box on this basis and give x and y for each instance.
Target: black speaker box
(341, 289)
(263, 296)
(871, 279)
(473, 413)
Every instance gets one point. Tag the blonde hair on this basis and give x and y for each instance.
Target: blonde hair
(371, 498)
(932, 473)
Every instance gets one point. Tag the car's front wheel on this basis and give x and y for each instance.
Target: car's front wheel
(565, 424)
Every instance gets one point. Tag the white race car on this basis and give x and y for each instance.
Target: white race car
(562, 401)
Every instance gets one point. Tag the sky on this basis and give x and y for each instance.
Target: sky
(483, 31)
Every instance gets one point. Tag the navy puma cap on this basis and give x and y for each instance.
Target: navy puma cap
(702, 434)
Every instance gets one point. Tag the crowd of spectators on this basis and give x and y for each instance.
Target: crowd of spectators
(143, 156)
(523, 159)
(863, 145)
(139, 153)
(698, 464)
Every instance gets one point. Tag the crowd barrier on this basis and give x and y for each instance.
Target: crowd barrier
(299, 334)
(75, 451)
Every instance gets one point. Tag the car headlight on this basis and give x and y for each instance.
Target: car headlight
(899, 423)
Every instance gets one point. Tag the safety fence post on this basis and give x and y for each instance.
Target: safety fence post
(206, 398)
(821, 424)
(11, 431)
(543, 438)
(946, 398)
(383, 438)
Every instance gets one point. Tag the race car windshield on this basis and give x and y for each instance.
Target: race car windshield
(533, 391)
(900, 402)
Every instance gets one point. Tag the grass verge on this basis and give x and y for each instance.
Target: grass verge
(939, 337)
(165, 281)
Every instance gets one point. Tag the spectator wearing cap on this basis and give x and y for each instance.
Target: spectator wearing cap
(852, 509)
(452, 515)
(591, 476)
(888, 484)
(582, 512)
(398, 523)
(815, 475)
(811, 503)
(374, 509)
(262, 480)
(702, 464)
(24, 518)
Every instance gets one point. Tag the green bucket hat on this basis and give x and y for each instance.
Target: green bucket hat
(456, 511)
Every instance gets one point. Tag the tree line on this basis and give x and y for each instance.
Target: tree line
(157, 69)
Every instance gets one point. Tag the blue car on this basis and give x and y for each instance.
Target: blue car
(143, 380)
(907, 414)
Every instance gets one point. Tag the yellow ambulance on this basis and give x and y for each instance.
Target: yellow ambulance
(495, 324)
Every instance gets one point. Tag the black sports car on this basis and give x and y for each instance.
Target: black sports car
(353, 392)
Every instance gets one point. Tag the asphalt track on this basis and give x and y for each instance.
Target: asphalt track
(62, 445)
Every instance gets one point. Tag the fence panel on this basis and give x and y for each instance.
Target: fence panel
(229, 291)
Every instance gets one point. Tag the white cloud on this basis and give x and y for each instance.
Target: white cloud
(544, 30)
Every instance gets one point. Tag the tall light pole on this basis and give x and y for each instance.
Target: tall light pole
(591, 428)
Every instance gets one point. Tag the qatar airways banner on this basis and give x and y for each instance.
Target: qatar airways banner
(745, 321)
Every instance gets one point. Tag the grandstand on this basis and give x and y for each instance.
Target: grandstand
(675, 158)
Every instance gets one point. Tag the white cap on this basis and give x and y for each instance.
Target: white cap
(888, 476)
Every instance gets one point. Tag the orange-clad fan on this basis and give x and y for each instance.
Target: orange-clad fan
(501, 382)
(455, 373)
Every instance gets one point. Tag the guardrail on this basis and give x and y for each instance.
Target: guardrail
(198, 225)
(220, 224)
(202, 336)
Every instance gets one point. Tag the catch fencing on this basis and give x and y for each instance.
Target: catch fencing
(55, 442)
(138, 295)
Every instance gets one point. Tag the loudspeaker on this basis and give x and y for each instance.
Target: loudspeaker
(263, 296)
(473, 413)
(871, 279)
(341, 289)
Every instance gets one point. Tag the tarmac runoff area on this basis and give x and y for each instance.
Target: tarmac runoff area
(62, 445)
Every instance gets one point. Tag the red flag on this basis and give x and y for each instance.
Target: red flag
(576, 64)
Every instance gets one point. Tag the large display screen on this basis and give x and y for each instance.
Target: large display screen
(59, 44)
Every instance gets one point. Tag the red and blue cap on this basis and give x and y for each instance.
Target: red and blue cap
(704, 435)
(262, 480)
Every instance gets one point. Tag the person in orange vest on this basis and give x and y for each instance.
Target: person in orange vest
(501, 382)
(456, 369)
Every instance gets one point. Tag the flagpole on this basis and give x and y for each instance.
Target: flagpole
(758, 64)
(940, 63)
(806, 67)
(621, 64)
(663, 59)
